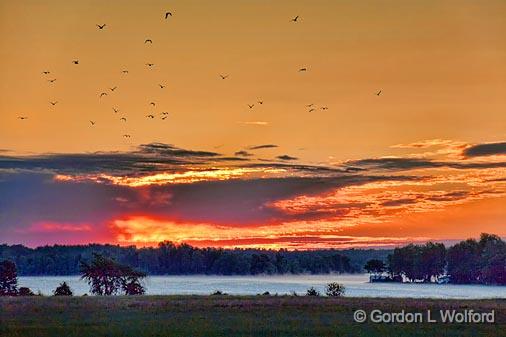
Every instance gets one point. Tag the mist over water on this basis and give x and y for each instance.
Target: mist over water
(357, 285)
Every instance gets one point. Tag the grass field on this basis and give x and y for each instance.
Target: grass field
(191, 316)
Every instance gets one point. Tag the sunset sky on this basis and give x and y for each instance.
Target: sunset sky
(395, 133)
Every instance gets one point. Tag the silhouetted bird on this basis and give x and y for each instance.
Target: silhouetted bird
(126, 136)
(378, 93)
(148, 40)
(53, 103)
(92, 123)
(75, 61)
(165, 117)
(260, 102)
(161, 86)
(115, 110)
(310, 105)
(311, 110)
(152, 103)
(123, 119)
(45, 72)
(52, 80)
(251, 106)
(112, 89)
(324, 108)
(150, 64)
(103, 94)
(165, 113)
(295, 19)
(125, 71)
(167, 14)
(223, 76)
(150, 116)
(22, 117)
(101, 26)
(302, 69)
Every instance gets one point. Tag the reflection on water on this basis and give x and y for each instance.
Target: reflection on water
(356, 286)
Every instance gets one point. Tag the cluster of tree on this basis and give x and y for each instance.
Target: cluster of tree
(171, 259)
(105, 277)
(468, 261)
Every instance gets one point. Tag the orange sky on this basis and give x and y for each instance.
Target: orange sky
(439, 65)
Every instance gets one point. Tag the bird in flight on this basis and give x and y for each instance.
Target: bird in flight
(295, 19)
(164, 117)
(260, 102)
(311, 110)
(324, 108)
(125, 71)
(103, 94)
(161, 86)
(251, 106)
(150, 116)
(45, 72)
(165, 113)
(378, 93)
(152, 103)
(150, 64)
(115, 110)
(223, 77)
(126, 136)
(75, 61)
(53, 103)
(22, 117)
(302, 69)
(51, 81)
(101, 26)
(167, 14)
(310, 105)
(148, 40)
(112, 89)
(92, 123)
(123, 119)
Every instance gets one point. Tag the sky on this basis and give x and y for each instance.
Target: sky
(203, 128)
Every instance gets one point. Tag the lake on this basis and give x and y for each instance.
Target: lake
(357, 285)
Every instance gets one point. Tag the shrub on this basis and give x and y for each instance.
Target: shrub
(62, 290)
(218, 292)
(24, 291)
(8, 279)
(334, 289)
(312, 292)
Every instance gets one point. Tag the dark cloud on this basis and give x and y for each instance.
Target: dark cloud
(243, 153)
(399, 202)
(400, 164)
(488, 149)
(286, 157)
(265, 146)
(153, 157)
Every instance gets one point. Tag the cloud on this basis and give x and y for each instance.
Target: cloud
(400, 164)
(487, 149)
(286, 157)
(258, 123)
(265, 146)
(243, 153)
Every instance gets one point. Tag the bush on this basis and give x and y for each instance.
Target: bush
(312, 292)
(62, 290)
(218, 292)
(24, 291)
(8, 279)
(334, 289)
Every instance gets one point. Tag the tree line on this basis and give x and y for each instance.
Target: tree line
(471, 261)
(172, 259)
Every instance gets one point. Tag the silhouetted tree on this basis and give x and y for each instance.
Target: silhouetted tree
(106, 277)
(63, 290)
(334, 289)
(312, 292)
(8, 278)
(375, 266)
(464, 262)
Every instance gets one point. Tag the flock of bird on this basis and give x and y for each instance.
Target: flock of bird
(163, 115)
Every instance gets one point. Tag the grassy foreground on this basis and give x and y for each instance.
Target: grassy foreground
(209, 316)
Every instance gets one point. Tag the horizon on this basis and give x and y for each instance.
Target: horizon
(297, 124)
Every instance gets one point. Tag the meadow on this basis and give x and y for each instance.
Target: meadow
(290, 316)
